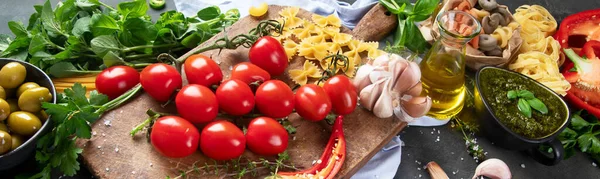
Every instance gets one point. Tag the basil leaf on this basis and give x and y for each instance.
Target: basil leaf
(389, 6)
(104, 44)
(524, 107)
(578, 123)
(512, 94)
(112, 59)
(18, 29)
(424, 8)
(415, 41)
(209, 13)
(133, 9)
(81, 26)
(64, 69)
(526, 94)
(48, 20)
(38, 43)
(103, 25)
(538, 105)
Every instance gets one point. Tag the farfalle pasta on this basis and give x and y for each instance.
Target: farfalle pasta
(289, 15)
(330, 20)
(308, 70)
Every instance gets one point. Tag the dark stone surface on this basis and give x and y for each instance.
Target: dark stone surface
(420, 145)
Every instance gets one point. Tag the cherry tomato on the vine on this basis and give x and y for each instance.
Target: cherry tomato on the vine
(265, 136)
(174, 137)
(222, 140)
(342, 94)
(274, 99)
(117, 80)
(249, 73)
(312, 102)
(202, 70)
(268, 54)
(235, 97)
(160, 80)
(197, 103)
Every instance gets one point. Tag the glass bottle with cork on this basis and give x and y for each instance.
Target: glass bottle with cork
(443, 68)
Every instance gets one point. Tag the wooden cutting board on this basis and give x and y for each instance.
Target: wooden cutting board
(112, 153)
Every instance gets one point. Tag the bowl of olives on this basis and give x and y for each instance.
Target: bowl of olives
(23, 89)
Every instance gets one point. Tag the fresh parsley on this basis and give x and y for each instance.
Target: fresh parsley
(582, 134)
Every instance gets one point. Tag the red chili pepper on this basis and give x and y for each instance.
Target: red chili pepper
(577, 94)
(331, 160)
(577, 29)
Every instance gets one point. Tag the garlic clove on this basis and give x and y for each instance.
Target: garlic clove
(382, 60)
(407, 78)
(415, 90)
(417, 106)
(362, 79)
(368, 95)
(493, 168)
(383, 107)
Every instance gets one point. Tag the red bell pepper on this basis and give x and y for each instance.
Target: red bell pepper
(577, 29)
(584, 76)
(331, 160)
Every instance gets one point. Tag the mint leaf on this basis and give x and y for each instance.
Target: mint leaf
(48, 20)
(112, 59)
(18, 43)
(209, 13)
(64, 69)
(103, 44)
(5, 41)
(81, 26)
(38, 43)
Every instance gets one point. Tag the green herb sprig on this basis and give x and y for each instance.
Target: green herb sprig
(582, 134)
(527, 101)
(407, 33)
(85, 36)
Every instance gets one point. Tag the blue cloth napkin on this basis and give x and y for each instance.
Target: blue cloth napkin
(385, 163)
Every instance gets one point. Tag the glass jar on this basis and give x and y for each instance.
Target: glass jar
(443, 68)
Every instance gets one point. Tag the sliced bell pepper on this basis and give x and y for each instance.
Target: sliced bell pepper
(331, 160)
(577, 29)
(584, 76)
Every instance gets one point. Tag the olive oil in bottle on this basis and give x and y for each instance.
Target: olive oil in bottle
(443, 68)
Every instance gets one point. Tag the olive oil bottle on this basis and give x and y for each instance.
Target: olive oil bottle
(443, 68)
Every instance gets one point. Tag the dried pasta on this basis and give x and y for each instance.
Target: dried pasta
(289, 14)
(542, 68)
(331, 20)
(308, 70)
(290, 47)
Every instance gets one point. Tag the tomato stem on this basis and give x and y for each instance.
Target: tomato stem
(153, 116)
(119, 100)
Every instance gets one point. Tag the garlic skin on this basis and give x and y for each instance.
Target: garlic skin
(390, 84)
(494, 169)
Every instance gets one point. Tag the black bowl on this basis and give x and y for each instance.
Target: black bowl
(504, 137)
(23, 152)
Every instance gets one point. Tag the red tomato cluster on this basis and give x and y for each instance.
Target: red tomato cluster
(197, 103)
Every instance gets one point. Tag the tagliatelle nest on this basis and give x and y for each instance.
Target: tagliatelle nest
(318, 38)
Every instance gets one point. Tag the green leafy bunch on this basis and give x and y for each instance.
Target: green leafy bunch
(582, 134)
(407, 33)
(85, 36)
(527, 101)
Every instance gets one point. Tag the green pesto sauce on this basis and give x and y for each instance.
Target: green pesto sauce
(495, 84)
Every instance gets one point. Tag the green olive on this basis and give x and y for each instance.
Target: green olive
(26, 86)
(12, 75)
(4, 109)
(31, 100)
(17, 141)
(5, 142)
(14, 105)
(2, 93)
(42, 115)
(3, 127)
(24, 123)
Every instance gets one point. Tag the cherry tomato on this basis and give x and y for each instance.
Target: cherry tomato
(197, 103)
(249, 73)
(222, 140)
(235, 97)
(117, 80)
(274, 99)
(342, 94)
(202, 70)
(268, 54)
(312, 103)
(174, 137)
(265, 136)
(160, 80)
